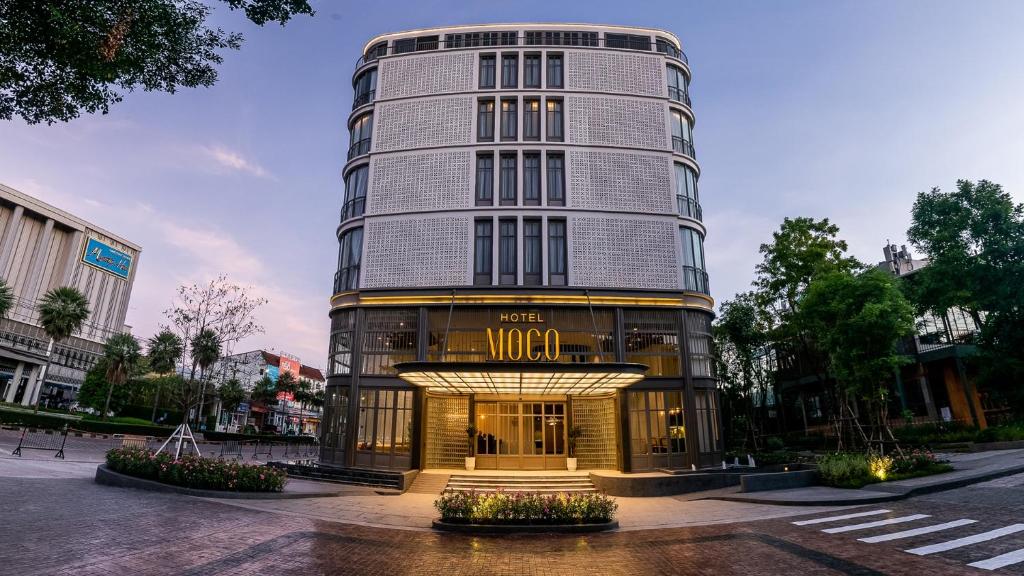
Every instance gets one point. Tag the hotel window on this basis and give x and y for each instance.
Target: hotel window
(366, 88)
(698, 327)
(355, 193)
(531, 71)
(509, 119)
(652, 338)
(483, 254)
(376, 51)
(695, 279)
(532, 271)
(384, 431)
(657, 429)
(509, 71)
(664, 46)
(708, 439)
(686, 192)
(485, 120)
(485, 180)
(531, 179)
(349, 254)
(359, 136)
(554, 120)
(507, 182)
(555, 71)
(556, 179)
(342, 329)
(531, 119)
(557, 253)
(389, 337)
(403, 46)
(682, 138)
(677, 85)
(487, 65)
(628, 41)
(507, 253)
(335, 422)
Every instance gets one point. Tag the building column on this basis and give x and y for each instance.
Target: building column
(926, 393)
(12, 388)
(35, 278)
(6, 244)
(28, 397)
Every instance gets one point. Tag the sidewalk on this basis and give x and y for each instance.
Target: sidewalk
(968, 469)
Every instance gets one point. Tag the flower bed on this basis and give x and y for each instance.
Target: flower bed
(515, 508)
(854, 470)
(196, 472)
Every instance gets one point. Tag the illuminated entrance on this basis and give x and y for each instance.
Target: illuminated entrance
(521, 435)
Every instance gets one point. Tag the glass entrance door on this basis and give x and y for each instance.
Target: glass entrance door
(521, 435)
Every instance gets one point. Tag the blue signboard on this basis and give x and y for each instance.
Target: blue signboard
(272, 371)
(243, 407)
(107, 258)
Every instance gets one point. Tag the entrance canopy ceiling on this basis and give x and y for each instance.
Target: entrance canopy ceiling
(520, 377)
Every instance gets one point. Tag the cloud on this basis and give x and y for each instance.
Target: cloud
(232, 160)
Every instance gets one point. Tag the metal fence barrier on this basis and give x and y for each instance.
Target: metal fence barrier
(50, 441)
(232, 448)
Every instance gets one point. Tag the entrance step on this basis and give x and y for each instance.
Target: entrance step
(354, 476)
(429, 483)
(579, 483)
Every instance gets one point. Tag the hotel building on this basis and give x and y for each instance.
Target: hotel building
(521, 251)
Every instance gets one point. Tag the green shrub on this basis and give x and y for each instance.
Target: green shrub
(937, 433)
(1003, 433)
(845, 470)
(196, 472)
(775, 444)
(854, 470)
(525, 508)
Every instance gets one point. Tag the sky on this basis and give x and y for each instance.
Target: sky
(836, 109)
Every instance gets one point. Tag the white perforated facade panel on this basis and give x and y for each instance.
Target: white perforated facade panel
(623, 252)
(423, 122)
(425, 75)
(623, 72)
(615, 121)
(416, 252)
(410, 182)
(620, 181)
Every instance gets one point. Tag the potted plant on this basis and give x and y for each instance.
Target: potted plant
(574, 433)
(471, 458)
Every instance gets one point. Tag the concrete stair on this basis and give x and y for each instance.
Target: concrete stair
(429, 483)
(577, 483)
(352, 476)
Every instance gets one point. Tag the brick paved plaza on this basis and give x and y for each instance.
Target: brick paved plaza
(56, 520)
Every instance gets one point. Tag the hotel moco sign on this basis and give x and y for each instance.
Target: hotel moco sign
(517, 344)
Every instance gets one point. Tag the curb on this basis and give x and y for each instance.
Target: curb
(498, 529)
(891, 493)
(108, 477)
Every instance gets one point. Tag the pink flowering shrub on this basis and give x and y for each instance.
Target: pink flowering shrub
(196, 472)
(525, 508)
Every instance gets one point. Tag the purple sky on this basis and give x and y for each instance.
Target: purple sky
(837, 109)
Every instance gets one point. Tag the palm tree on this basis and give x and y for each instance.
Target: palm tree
(6, 298)
(165, 350)
(122, 353)
(303, 395)
(62, 312)
(205, 352)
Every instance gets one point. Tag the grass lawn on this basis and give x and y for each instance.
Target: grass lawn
(119, 420)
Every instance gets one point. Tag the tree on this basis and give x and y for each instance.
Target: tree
(264, 391)
(974, 239)
(231, 394)
(857, 320)
(165, 349)
(6, 298)
(64, 57)
(205, 352)
(122, 354)
(226, 309)
(303, 395)
(62, 312)
(741, 334)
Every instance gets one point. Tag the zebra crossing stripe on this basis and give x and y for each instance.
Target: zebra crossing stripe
(917, 531)
(843, 517)
(967, 540)
(1000, 561)
(875, 524)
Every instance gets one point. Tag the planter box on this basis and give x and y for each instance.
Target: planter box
(524, 528)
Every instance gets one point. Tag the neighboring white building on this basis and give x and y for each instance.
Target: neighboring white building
(281, 416)
(43, 247)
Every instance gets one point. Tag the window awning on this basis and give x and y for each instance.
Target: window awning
(521, 377)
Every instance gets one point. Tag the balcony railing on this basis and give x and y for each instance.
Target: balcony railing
(358, 148)
(575, 40)
(682, 146)
(354, 207)
(695, 280)
(689, 207)
(678, 95)
(363, 99)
